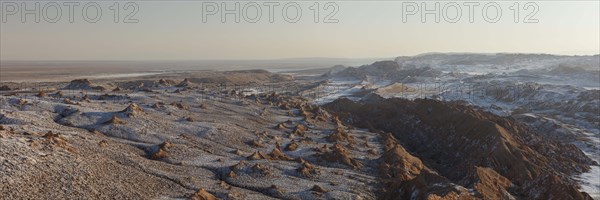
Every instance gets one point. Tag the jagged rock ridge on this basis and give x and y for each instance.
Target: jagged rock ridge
(468, 147)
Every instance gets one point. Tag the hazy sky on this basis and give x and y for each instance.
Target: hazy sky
(175, 30)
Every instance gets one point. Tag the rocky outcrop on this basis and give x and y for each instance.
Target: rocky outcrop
(307, 169)
(471, 148)
(133, 110)
(82, 84)
(202, 194)
(406, 176)
(338, 154)
(166, 82)
(42, 94)
(181, 106)
(276, 154)
(292, 146)
(397, 163)
(491, 185)
(340, 135)
(114, 120)
(185, 83)
(389, 70)
(159, 151)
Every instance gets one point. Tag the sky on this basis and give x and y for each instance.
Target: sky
(176, 30)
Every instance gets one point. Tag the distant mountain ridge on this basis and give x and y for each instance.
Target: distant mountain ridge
(588, 62)
(433, 64)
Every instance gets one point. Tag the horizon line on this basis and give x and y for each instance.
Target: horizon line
(289, 58)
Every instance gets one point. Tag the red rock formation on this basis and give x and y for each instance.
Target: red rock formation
(292, 146)
(160, 150)
(471, 148)
(257, 156)
(340, 135)
(115, 120)
(276, 154)
(133, 110)
(202, 194)
(491, 185)
(307, 169)
(338, 154)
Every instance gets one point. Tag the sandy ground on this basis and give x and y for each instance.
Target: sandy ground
(54, 71)
(173, 143)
